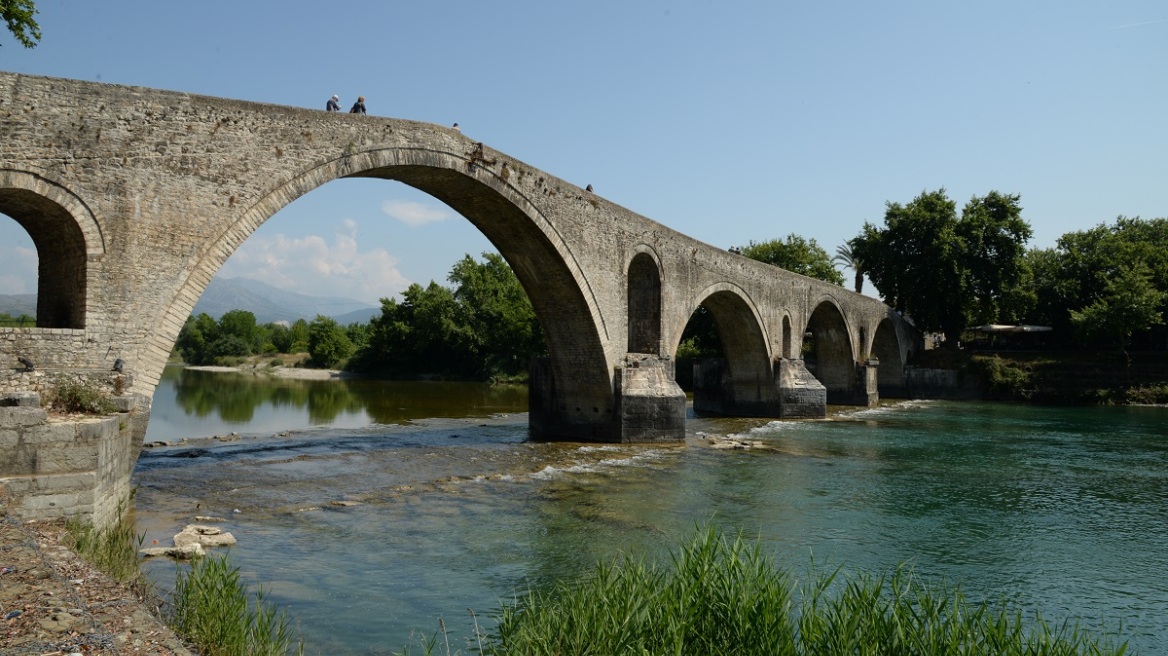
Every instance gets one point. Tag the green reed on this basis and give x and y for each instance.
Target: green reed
(113, 550)
(724, 596)
(212, 608)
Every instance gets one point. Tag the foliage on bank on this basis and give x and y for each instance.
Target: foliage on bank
(483, 328)
(214, 610)
(724, 596)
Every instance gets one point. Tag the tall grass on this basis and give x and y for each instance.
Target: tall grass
(724, 596)
(113, 550)
(213, 609)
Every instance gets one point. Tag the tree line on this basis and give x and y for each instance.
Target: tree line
(481, 328)
(1105, 287)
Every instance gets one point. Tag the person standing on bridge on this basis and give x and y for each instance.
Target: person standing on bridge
(332, 105)
(359, 106)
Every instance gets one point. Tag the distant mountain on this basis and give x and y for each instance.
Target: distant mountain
(267, 303)
(270, 304)
(17, 304)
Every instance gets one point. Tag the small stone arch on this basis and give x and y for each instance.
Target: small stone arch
(743, 382)
(644, 304)
(830, 359)
(67, 238)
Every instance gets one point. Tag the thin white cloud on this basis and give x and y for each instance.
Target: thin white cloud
(415, 214)
(18, 270)
(313, 265)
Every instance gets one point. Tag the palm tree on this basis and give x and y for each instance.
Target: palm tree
(843, 255)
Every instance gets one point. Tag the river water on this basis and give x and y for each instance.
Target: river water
(371, 509)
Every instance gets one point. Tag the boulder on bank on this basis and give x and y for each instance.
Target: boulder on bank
(205, 536)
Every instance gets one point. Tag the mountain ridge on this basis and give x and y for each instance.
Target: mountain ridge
(268, 303)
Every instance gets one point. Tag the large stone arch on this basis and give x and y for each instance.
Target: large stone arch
(579, 367)
(742, 382)
(644, 303)
(67, 238)
(832, 359)
(890, 372)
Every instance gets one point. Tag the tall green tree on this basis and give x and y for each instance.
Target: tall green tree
(328, 343)
(484, 327)
(942, 271)
(18, 15)
(803, 256)
(1078, 283)
(1129, 302)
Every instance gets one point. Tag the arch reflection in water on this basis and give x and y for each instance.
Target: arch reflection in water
(197, 403)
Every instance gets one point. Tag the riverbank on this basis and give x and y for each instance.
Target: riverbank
(1050, 377)
(295, 373)
(54, 602)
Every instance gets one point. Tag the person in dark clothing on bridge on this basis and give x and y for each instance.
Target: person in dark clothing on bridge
(359, 106)
(332, 105)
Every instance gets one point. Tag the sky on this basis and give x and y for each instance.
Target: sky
(730, 121)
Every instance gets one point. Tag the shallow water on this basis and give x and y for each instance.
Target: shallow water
(1062, 511)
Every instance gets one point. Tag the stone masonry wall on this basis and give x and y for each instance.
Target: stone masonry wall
(64, 467)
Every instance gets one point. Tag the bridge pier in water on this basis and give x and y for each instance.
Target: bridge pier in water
(793, 393)
(645, 405)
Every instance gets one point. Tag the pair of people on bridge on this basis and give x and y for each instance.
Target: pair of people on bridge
(334, 106)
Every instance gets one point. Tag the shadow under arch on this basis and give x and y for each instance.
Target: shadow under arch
(890, 380)
(741, 383)
(644, 301)
(67, 238)
(578, 367)
(830, 358)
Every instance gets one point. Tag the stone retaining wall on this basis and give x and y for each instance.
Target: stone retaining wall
(78, 465)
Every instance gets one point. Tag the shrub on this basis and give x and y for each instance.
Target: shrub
(1004, 380)
(80, 396)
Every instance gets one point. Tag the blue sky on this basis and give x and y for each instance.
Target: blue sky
(728, 121)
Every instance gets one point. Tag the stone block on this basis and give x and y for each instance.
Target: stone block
(21, 400)
(66, 459)
(54, 433)
(16, 416)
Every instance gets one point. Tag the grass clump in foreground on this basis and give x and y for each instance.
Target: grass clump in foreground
(212, 608)
(113, 550)
(724, 596)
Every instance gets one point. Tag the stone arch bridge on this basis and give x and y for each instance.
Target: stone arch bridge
(135, 197)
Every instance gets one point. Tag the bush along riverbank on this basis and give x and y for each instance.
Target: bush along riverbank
(1064, 378)
(724, 596)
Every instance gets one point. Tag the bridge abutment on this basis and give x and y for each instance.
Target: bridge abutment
(74, 466)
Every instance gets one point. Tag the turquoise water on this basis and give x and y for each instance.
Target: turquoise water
(1061, 511)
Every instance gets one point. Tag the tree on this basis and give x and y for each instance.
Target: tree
(18, 15)
(943, 271)
(1129, 302)
(796, 254)
(501, 322)
(1077, 283)
(847, 259)
(328, 344)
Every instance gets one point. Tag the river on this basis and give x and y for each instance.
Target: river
(371, 509)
